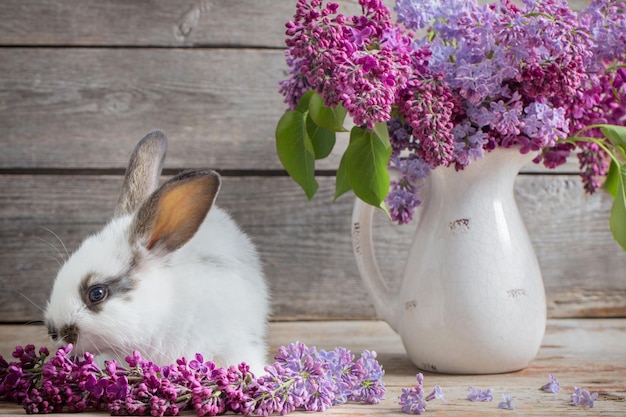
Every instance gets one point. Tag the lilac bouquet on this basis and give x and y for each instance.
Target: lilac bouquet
(300, 378)
(537, 77)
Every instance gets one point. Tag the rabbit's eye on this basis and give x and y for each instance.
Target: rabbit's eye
(97, 293)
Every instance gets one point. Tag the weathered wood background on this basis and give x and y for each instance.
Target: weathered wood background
(82, 80)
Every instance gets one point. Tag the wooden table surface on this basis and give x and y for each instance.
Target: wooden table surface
(589, 353)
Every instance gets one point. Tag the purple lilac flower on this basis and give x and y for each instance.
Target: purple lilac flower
(343, 371)
(413, 401)
(66, 383)
(426, 106)
(477, 394)
(403, 197)
(357, 61)
(507, 74)
(416, 14)
(311, 389)
(17, 377)
(594, 164)
(543, 64)
(606, 22)
(370, 388)
(198, 364)
(300, 378)
(582, 397)
(494, 47)
(402, 201)
(557, 155)
(507, 403)
(552, 386)
(545, 124)
(145, 388)
(436, 394)
(304, 378)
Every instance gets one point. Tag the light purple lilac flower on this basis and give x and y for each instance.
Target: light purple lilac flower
(414, 401)
(342, 369)
(507, 404)
(403, 197)
(552, 386)
(477, 394)
(436, 394)
(509, 70)
(582, 397)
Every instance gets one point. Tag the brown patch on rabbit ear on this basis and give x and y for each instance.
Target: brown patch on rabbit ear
(143, 172)
(173, 214)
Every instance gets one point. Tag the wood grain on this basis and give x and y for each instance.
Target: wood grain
(85, 108)
(163, 23)
(306, 246)
(586, 353)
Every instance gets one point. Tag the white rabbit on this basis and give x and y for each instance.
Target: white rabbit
(171, 275)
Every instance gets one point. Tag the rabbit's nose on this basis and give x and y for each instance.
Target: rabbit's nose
(68, 334)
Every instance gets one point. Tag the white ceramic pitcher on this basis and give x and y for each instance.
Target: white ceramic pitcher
(472, 299)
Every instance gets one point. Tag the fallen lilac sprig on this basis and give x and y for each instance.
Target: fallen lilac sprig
(582, 397)
(413, 400)
(507, 403)
(300, 378)
(476, 394)
(553, 386)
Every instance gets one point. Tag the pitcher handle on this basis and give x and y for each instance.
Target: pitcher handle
(362, 244)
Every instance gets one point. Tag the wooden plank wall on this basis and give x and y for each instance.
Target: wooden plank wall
(82, 80)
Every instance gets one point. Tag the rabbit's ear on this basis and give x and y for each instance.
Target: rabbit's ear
(143, 172)
(174, 212)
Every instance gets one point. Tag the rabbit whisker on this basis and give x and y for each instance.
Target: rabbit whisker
(67, 254)
(98, 351)
(58, 252)
(115, 350)
(55, 260)
(42, 329)
(27, 299)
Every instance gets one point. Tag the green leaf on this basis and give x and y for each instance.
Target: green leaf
(617, 136)
(618, 210)
(382, 133)
(611, 181)
(326, 117)
(303, 104)
(342, 182)
(323, 140)
(296, 152)
(615, 133)
(366, 163)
